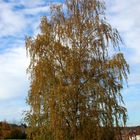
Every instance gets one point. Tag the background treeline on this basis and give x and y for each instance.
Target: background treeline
(12, 131)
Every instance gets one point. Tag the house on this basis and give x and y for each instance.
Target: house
(131, 133)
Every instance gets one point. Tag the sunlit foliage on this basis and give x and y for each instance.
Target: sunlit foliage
(76, 75)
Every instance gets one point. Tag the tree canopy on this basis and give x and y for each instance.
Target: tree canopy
(76, 72)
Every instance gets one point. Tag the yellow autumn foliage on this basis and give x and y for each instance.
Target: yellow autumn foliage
(75, 78)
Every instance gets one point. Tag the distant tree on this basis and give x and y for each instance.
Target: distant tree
(16, 133)
(12, 131)
(76, 72)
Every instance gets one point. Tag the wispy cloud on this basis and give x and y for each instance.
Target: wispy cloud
(16, 17)
(11, 23)
(37, 10)
(26, 3)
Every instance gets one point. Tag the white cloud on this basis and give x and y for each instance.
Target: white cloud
(125, 16)
(13, 78)
(11, 22)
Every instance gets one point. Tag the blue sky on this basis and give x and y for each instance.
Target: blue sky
(19, 18)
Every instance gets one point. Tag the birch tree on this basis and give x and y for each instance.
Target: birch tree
(77, 72)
